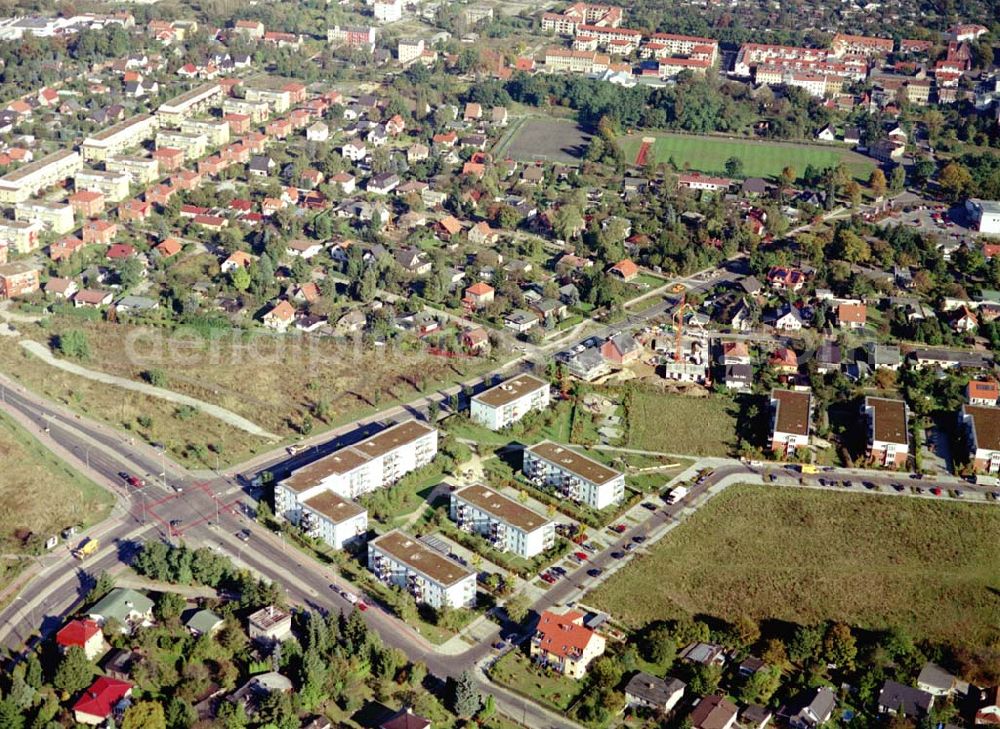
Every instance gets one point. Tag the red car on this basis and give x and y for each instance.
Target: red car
(619, 528)
(362, 605)
(133, 481)
(582, 556)
(936, 491)
(548, 578)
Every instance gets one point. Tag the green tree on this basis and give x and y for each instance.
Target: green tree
(232, 716)
(517, 607)
(660, 646)
(568, 221)
(144, 715)
(955, 180)
(11, 716)
(761, 686)
(807, 643)
(169, 606)
(130, 272)
(74, 344)
(466, 698)
(897, 178)
(839, 645)
(239, 277)
(155, 377)
(734, 166)
(746, 630)
(876, 181)
(74, 672)
(705, 679)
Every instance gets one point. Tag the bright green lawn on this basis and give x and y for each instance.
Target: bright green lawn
(760, 159)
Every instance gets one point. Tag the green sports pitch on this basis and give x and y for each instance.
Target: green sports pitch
(760, 159)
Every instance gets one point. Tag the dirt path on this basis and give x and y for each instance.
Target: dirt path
(227, 416)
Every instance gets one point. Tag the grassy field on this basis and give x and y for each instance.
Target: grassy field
(279, 383)
(40, 494)
(760, 159)
(681, 424)
(550, 140)
(806, 556)
(517, 672)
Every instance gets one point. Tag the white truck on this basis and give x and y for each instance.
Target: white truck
(677, 494)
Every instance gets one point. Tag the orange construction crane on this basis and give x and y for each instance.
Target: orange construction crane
(679, 326)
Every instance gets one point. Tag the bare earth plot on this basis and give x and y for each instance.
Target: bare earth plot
(807, 556)
(549, 140)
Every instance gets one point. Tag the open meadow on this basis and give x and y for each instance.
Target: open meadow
(760, 158)
(806, 556)
(681, 424)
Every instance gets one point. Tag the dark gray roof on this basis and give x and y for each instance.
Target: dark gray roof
(652, 689)
(905, 699)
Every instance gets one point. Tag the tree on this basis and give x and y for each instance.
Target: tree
(806, 643)
(897, 178)
(568, 221)
(761, 686)
(466, 699)
(788, 175)
(170, 605)
(734, 166)
(74, 672)
(74, 344)
(11, 717)
(661, 648)
(239, 277)
(232, 716)
(746, 630)
(517, 607)
(606, 672)
(955, 181)
(839, 646)
(876, 181)
(155, 377)
(130, 272)
(144, 715)
(705, 679)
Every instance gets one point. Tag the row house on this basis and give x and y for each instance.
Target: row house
(506, 524)
(400, 560)
(567, 22)
(193, 145)
(573, 475)
(585, 62)
(861, 45)
(752, 55)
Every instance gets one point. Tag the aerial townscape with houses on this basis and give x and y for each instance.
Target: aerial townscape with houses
(412, 364)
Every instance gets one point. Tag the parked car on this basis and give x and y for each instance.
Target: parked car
(619, 528)
(936, 491)
(362, 606)
(638, 539)
(582, 556)
(595, 572)
(353, 599)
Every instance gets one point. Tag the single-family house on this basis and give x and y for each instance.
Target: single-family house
(621, 349)
(714, 712)
(84, 634)
(101, 701)
(897, 698)
(280, 316)
(645, 691)
(563, 644)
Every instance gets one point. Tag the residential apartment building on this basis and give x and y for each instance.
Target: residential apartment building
(791, 414)
(573, 475)
(378, 461)
(982, 392)
(278, 100)
(432, 578)
(216, 131)
(21, 236)
(333, 519)
(566, 23)
(113, 185)
(663, 45)
(983, 428)
(509, 526)
(409, 49)
(564, 644)
(354, 36)
(122, 136)
(586, 62)
(29, 180)
(193, 145)
(509, 401)
(18, 279)
(258, 111)
(54, 216)
(888, 436)
(189, 103)
(141, 171)
(861, 45)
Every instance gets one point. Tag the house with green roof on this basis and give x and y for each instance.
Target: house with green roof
(127, 606)
(203, 622)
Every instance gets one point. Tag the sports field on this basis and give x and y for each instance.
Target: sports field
(807, 556)
(760, 159)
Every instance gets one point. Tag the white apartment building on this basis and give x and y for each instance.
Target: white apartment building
(333, 519)
(53, 216)
(388, 11)
(400, 560)
(21, 236)
(572, 475)
(258, 111)
(586, 62)
(983, 427)
(409, 49)
(27, 181)
(509, 401)
(278, 101)
(378, 461)
(792, 411)
(215, 130)
(888, 432)
(189, 103)
(113, 185)
(984, 214)
(509, 526)
(194, 145)
(117, 138)
(141, 171)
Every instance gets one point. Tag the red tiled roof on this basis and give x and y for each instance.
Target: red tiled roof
(563, 635)
(77, 633)
(102, 696)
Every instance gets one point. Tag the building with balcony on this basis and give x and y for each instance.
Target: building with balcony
(564, 644)
(277, 100)
(189, 103)
(983, 429)
(333, 519)
(117, 138)
(572, 475)
(141, 171)
(20, 235)
(193, 145)
(506, 524)
(258, 111)
(888, 436)
(53, 216)
(113, 185)
(216, 131)
(509, 401)
(791, 411)
(27, 181)
(378, 461)
(400, 560)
